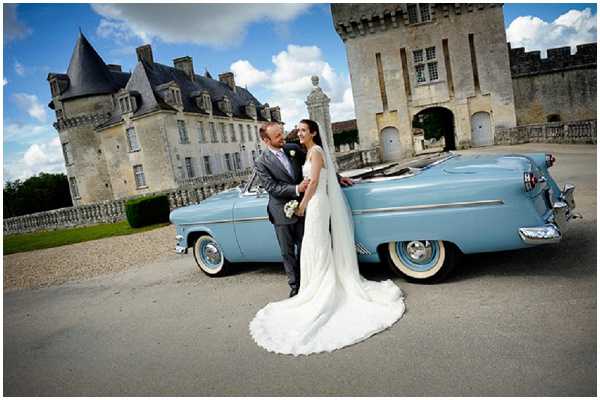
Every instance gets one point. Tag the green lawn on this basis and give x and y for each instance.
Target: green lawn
(43, 240)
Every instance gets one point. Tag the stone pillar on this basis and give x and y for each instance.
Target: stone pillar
(317, 104)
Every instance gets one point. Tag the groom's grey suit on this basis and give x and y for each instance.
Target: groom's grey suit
(281, 186)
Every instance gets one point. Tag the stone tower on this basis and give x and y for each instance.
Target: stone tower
(82, 99)
(411, 64)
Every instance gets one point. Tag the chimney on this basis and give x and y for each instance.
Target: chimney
(145, 53)
(185, 64)
(228, 79)
(114, 67)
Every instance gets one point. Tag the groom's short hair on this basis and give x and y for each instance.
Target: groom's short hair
(263, 129)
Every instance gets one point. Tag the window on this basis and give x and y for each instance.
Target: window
(253, 156)
(418, 13)
(183, 136)
(213, 133)
(256, 132)
(249, 130)
(176, 93)
(74, 189)
(140, 178)
(66, 148)
(132, 140)
(242, 138)
(54, 88)
(189, 167)
(232, 133)
(124, 105)
(206, 102)
(207, 167)
(201, 133)
(228, 162)
(237, 162)
(426, 66)
(223, 133)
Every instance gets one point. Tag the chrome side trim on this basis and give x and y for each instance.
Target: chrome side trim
(227, 221)
(479, 203)
(251, 219)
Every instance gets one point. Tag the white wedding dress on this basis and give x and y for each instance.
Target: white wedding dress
(335, 306)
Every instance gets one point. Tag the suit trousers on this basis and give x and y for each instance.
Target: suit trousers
(290, 243)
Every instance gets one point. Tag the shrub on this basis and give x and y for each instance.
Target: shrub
(147, 210)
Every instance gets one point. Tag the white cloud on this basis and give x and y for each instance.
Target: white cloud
(4, 81)
(247, 75)
(19, 69)
(13, 28)
(30, 104)
(27, 133)
(39, 157)
(570, 29)
(205, 24)
(290, 83)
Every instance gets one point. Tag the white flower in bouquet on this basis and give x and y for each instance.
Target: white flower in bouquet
(290, 207)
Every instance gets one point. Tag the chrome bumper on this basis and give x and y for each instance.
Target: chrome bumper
(180, 249)
(562, 213)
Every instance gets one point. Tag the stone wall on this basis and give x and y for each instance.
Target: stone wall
(573, 132)
(560, 87)
(189, 192)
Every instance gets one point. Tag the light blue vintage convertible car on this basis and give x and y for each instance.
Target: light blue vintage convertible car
(416, 215)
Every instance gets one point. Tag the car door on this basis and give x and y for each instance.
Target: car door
(254, 232)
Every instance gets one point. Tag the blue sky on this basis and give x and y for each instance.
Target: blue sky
(262, 45)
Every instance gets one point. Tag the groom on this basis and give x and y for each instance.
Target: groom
(279, 169)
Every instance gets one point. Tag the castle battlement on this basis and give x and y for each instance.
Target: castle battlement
(354, 20)
(559, 59)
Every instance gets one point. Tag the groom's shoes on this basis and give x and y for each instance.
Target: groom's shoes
(293, 292)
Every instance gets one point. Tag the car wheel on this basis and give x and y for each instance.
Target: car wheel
(422, 261)
(209, 256)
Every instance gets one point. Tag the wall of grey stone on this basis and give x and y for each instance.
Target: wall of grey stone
(190, 191)
(562, 84)
(573, 132)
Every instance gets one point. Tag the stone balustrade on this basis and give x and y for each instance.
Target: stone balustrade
(565, 132)
(190, 191)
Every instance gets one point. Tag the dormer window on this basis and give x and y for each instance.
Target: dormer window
(251, 109)
(176, 96)
(127, 101)
(203, 102)
(225, 105)
(266, 112)
(418, 13)
(54, 88)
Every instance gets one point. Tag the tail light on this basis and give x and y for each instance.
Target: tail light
(550, 160)
(530, 180)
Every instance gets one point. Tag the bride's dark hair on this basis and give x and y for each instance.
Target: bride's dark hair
(312, 128)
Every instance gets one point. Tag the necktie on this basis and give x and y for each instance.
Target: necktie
(286, 164)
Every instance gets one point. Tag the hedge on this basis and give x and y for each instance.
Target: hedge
(147, 210)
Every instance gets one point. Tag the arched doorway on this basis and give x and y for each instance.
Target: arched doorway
(437, 123)
(391, 143)
(481, 129)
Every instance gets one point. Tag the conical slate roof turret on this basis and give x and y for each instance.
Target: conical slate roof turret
(88, 74)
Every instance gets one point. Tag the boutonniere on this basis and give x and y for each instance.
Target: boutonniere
(292, 153)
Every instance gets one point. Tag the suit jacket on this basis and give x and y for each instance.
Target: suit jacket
(280, 185)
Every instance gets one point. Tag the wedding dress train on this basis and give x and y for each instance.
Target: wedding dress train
(335, 306)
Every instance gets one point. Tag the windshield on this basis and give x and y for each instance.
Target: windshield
(403, 167)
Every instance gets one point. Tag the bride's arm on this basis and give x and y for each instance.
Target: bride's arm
(316, 163)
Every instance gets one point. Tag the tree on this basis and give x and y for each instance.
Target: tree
(42, 192)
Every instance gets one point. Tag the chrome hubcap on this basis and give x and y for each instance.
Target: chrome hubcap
(419, 251)
(212, 254)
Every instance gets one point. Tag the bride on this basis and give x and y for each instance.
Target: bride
(335, 306)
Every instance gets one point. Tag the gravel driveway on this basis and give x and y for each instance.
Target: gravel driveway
(85, 260)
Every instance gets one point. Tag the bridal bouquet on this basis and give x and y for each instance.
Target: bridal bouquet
(290, 207)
